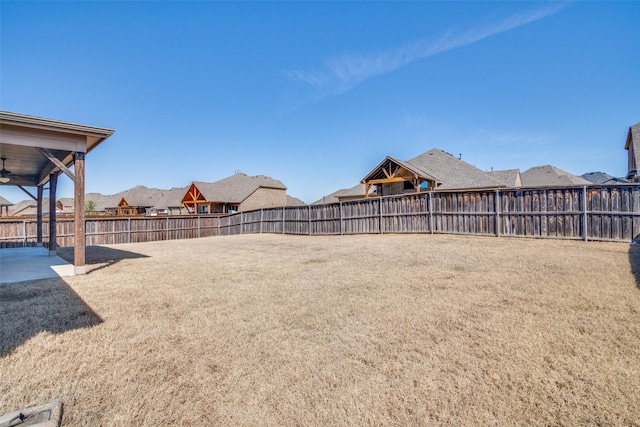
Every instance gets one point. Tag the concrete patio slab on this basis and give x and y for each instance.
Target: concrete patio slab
(23, 264)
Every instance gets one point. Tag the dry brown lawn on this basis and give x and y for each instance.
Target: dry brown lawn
(314, 331)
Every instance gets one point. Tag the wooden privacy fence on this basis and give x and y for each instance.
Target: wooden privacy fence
(105, 230)
(591, 213)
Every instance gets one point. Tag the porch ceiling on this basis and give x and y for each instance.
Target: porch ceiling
(23, 138)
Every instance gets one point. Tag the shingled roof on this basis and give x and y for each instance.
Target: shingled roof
(170, 198)
(5, 202)
(354, 192)
(510, 178)
(141, 196)
(390, 164)
(236, 188)
(454, 173)
(603, 178)
(294, 201)
(550, 176)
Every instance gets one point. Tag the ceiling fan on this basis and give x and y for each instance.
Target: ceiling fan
(4, 173)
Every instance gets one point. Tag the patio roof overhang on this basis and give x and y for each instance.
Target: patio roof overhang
(32, 145)
(37, 150)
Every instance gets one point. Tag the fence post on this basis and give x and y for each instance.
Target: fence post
(584, 208)
(261, 219)
(24, 233)
(340, 212)
(497, 208)
(167, 228)
(199, 226)
(381, 220)
(129, 230)
(431, 211)
(309, 217)
(240, 222)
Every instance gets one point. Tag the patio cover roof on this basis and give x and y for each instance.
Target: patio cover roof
(23, 139)
(37, 150)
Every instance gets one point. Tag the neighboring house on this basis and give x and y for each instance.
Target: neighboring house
(4, 206)
(170, 203)
(237, 193)
(27, 208)
(632, 145)
(130, 207)
(550, 176)
(64, 207)
(433, 170)
(356, 192)
(603, 178)
(138, 200)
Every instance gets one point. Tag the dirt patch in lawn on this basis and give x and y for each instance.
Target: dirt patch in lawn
(351, 330)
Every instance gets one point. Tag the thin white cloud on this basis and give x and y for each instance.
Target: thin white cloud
(342, 73)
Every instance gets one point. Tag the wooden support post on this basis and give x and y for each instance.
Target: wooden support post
(309, 218)
(340, 208)
(283, 215)
(53, 181)
(39, 216)
(79, 243)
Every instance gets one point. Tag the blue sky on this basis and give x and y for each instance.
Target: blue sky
(316, 94)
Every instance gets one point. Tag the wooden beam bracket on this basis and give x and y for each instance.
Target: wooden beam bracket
(53, 159)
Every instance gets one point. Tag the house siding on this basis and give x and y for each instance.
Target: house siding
(264, 198)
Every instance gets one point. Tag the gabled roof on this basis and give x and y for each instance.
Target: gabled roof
(453, 172)
(597, 177)
(140, 196)
(5, 202)
(236, 188)
(550, 176)
(170, 198)
(510, 178)
(294, 201)
(29, 207)
(389, 164)
(603, 178)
